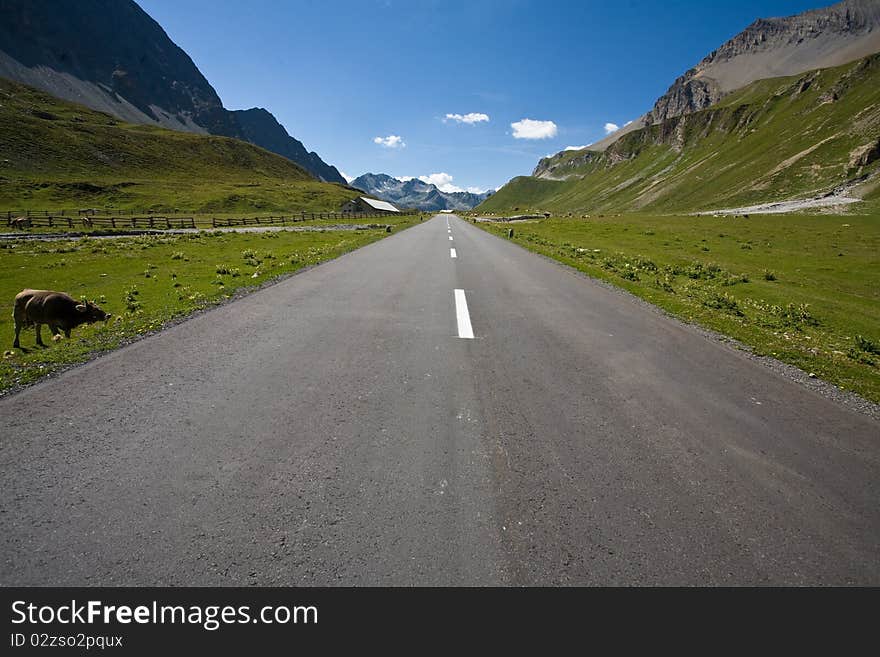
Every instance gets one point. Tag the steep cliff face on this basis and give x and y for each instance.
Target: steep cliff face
(111, 56)
(775, 47)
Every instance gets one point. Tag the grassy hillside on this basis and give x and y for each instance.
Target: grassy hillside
(775, 139)
(56, 154)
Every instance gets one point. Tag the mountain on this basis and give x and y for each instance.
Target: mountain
(768, 48)
(57, 154)
(415, 193)
(111, 56)
(775, 47)
(650, 159)
(259, 127)
(806, 136)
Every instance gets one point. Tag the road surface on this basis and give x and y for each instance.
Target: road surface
(342, 427)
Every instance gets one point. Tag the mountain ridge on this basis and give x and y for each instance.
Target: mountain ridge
(775, 47)
(111, 56)
(415, 193)
(809, 136)
(59, 154)
(767, 48)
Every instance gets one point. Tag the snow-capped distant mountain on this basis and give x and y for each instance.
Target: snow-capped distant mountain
(415, 193)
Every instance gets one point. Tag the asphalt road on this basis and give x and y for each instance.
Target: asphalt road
(335, 429)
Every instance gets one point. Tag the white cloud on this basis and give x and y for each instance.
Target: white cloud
(443, 182)
(346, 176)
(611, 127)
(574, 148)
(532, 129)
(391, 141)
(470, 119)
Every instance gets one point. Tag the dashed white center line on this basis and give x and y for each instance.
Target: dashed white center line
(465, 330)
(450, 238)
(452, 253)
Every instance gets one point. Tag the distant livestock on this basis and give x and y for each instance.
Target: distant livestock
(58, 310)
(21, 223)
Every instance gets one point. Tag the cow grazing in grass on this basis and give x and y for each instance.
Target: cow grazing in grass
(21, 223)
(58, 310)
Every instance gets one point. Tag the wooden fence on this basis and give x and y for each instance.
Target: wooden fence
(46, 219)
(302, 216)
(55, 221)
(86, 212)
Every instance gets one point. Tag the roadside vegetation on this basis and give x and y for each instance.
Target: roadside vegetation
(148, 281)
(803, 289)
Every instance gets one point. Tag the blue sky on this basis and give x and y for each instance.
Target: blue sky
(369, 84)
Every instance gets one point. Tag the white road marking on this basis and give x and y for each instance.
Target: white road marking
(450, 238)
(465, 330)
(452, 253)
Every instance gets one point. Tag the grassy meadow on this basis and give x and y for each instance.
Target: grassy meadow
(147, 281)
(803, 289)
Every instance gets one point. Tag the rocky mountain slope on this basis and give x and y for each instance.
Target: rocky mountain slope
(57, 154)
(768, 48)
(415, 193)
(260, 127)
(111, 56)
(801, 137)
(776, 47)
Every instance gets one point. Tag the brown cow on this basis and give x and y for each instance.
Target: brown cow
(59, 310)
(21, 223)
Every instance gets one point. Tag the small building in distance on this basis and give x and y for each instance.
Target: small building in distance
(371, 205)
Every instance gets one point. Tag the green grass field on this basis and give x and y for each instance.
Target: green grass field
(55, 154)
(804, 289)
(147, 281)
